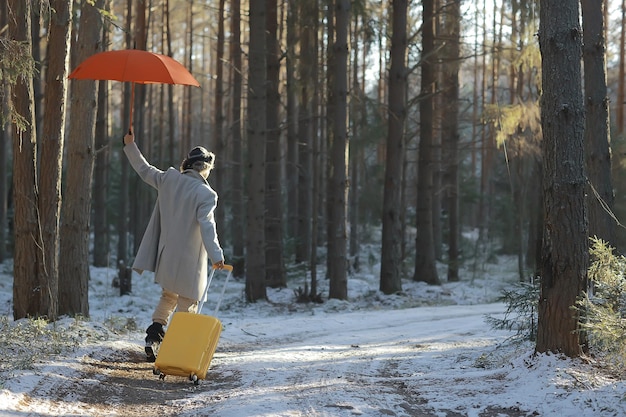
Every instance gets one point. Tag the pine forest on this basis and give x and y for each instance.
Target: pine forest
(426, 136)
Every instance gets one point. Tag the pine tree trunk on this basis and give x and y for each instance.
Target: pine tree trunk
(275, 268)
(292, 117)
(565, 252)
(237, 234)
(220, 137)
(4, 157)
(76, 210)
(597, 133)
(27, 288)
(338, 181)
(101, 249)
(123, 207)
(425, 268)
(305, 132)
(390, 279)
(450, 136)
(52, 147)
(256, 130)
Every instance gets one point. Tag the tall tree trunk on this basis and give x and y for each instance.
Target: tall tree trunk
(621, 79)
(565, 253)
(237, 234)
(256, 130)
(76, 210)
(101, 236)
(4, 156)
(597, 133)
(317, 126)
(353, 197)
(425, 267)
(123, 208)
(450, 137)
(390, 279)
(292, 120)
(338, 184)
(220, 141)
(305, 130)
(51, 164)
(275, 268)
(101, 240)
(28, 290)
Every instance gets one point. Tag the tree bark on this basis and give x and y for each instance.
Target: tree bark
(256, 129)
(597, 133)
(425, 267)
(305, 130)
(565, 252)
(275, 267)
(338, 185)
(28, 290)
(51, 164)
(4, 155)
(74, 265)
(390, 279)
(450, 133)
(237, 234)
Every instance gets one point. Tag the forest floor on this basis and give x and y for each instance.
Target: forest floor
(424, 352)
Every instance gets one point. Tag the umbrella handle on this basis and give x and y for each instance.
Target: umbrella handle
(132, 105)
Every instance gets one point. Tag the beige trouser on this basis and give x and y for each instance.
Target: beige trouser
(170, 301)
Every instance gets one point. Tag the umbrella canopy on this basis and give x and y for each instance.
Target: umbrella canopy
(136, 66)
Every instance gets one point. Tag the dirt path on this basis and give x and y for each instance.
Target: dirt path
(284, 368)
(118, 382)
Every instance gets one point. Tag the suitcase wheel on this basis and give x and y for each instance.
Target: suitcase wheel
(155, 371)
(194, 378)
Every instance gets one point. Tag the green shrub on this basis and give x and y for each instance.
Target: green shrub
(603, 308)
(521, 311)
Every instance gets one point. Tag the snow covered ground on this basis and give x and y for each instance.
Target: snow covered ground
(425, 352)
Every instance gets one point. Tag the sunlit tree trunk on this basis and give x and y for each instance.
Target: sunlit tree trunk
(565, 251)
(390, 279)
(237, 234)
(597, 133)
(50, 167)
(28, 290)
(218, 125)
(75, 237)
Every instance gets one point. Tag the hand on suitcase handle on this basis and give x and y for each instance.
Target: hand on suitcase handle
(222, 265)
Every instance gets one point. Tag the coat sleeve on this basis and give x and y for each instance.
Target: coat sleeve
(148, 173)
(206, 219)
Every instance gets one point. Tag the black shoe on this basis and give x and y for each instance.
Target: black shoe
(154, 336)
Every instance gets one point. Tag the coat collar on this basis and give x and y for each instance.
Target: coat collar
(195, 174)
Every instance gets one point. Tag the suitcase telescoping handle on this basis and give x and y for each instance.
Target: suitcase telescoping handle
(229, 268)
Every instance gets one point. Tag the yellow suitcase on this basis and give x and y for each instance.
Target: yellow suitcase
(190, 342)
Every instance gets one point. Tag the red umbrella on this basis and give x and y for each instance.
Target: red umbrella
(135, 66)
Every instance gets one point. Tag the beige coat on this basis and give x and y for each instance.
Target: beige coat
(181, 229)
